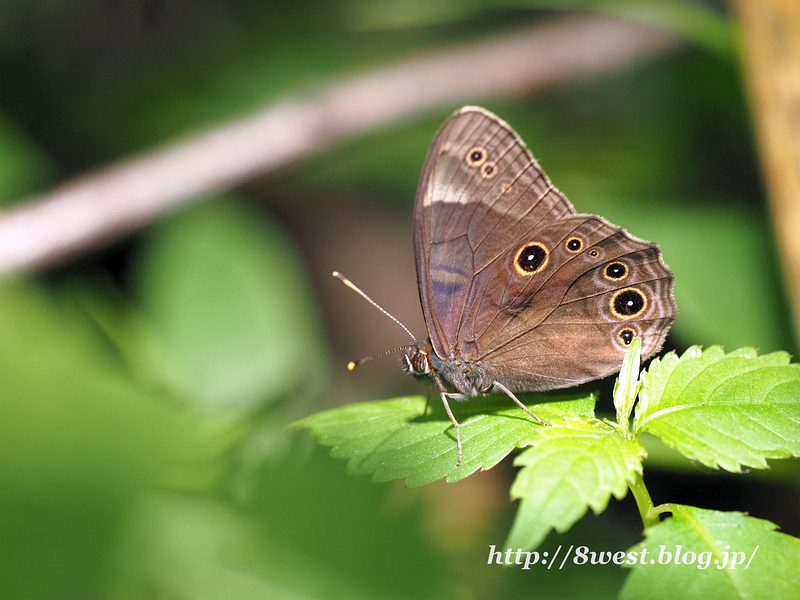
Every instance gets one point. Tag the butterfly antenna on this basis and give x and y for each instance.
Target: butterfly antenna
(353, 364)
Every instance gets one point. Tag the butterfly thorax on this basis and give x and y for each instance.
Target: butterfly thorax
(467, 378)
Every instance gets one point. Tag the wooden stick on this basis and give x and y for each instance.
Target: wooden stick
(771, 32)
(105, 204)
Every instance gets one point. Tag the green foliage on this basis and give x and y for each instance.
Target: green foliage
(700, 553)
(215, 283)
(208, 281)
(566, 469)
(627, 385)
(146, 386)
(722, 409)
(202, 546)
(396, 439)
(78, 442)
(119, 477)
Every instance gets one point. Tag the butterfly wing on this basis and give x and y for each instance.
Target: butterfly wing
(572, 320)
(480, 191)
(510, 277)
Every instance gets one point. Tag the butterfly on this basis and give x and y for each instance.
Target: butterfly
(519, 292)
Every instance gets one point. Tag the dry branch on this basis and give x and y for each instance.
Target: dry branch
(107, 203)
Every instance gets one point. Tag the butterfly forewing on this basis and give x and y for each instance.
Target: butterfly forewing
(480, 191)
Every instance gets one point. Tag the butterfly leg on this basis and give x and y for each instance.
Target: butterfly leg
(444, 396)
(508, 393)
(427, 404)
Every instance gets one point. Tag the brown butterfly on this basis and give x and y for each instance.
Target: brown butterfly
(519, 292)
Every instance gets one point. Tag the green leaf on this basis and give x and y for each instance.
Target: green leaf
(627, 384)
(569, 467)
(228, 299)
(745, 558)
(725, 410)
(391, 439)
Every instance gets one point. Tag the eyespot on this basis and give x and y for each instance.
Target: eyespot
(574, 244)
(625, 336)
(628, 303)
(594, 253)
(489, 169)
(531, 259)
(615, 271)
(476, 156)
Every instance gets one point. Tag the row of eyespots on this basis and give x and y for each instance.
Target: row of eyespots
(627, 303)
(532, 258)
(478, 157)
(575, 244)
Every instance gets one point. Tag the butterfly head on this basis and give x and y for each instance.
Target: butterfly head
(417, 361)
(420, 360)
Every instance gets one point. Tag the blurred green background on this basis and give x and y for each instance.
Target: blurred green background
(145, 388)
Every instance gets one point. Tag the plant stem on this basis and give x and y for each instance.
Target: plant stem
(643, 501)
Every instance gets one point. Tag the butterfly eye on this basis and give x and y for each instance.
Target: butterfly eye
(625, 336)
(417, 363)
(476, 156)
(531, 259)
(628, 303)
(574, 244)
(489, 169)
(615, 271)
